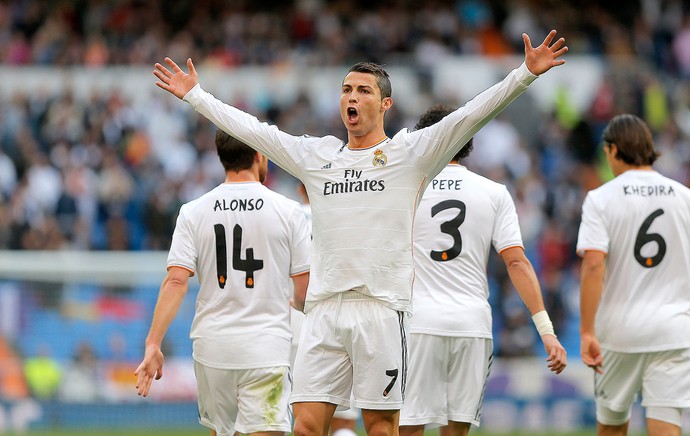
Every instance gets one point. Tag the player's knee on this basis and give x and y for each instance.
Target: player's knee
(307, 427)
(384, 423)
(381, 429)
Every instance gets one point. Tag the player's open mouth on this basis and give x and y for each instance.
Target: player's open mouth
(351, 114)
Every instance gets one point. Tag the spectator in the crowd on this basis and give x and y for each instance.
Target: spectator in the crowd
(80, 383)
(553, 163)
(43, 374)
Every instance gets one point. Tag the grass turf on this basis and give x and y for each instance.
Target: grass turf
(200, 431)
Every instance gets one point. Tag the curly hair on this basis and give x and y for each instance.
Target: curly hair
(435, 114)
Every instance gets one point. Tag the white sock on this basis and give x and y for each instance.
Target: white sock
(344, 432)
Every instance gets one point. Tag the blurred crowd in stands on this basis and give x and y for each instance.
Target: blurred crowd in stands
(103, 173)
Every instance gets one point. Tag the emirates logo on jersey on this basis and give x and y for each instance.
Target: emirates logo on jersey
(380, 159)
(353, 182)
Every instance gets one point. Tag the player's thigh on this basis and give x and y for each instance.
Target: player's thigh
(264, 395)
(322, 370)
(378, 352)
(664, 421)
(425, 392)
(217, 398)
(666, 381)
(616, 389)
(666, 386)
(469, 366)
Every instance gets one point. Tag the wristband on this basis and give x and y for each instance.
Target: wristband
(543, 323)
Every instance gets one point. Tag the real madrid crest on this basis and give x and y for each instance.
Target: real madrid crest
(380, 159)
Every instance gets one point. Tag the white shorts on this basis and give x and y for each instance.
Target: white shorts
(663, 378)
(352, 337)
(447, 379)
(296, 321)
(244, 400)
(351, 414)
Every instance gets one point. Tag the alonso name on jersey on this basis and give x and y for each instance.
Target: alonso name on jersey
(238, 204)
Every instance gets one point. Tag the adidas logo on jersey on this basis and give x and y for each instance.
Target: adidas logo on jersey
(327, 166)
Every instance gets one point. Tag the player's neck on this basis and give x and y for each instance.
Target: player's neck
(623, 168)
(248, 175)
(366, 141)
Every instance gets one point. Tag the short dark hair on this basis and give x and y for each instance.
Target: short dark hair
(633, 140)
(383, 80)
(435, 114)
(234, 154)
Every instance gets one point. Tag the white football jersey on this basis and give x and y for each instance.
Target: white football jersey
(364, 200)
(460, 217)
(641, 219)
(243, 241)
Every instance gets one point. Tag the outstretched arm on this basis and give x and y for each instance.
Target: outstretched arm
(172, 292)
(592, 285)
(176, 81)
(542, 58)
(524, 279)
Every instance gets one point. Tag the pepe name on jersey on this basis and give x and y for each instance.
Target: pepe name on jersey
(446, 184)
(649, 190)
(238, 204)
(353, 182)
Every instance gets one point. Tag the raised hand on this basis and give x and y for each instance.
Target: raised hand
(544, 57)
(557, 356)
(176, 82)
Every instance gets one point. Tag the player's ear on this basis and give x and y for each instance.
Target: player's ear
(386, 103)
(613, 149)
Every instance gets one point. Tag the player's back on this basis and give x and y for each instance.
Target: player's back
(642, 220)
(459, 218)
(247, 240)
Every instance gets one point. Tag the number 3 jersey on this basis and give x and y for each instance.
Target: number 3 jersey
(460, 217)
(243, 241)
(641, 220)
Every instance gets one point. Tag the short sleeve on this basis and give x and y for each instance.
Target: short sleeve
(183, 251)
(300, 244)
(593, 234)
(506, 232)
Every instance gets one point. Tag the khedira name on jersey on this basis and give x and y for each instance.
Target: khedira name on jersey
(648, 190)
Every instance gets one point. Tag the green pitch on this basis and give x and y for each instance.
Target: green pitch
(201, 431)
(198, 431)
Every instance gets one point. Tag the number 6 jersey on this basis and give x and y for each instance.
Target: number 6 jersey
(641, 220)
(243, 241)
(460, 217)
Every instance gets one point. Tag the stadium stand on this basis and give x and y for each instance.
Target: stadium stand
(93, 158)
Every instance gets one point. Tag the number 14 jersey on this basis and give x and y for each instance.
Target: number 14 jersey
(243, 241)
(641, 220)
(460, 217)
